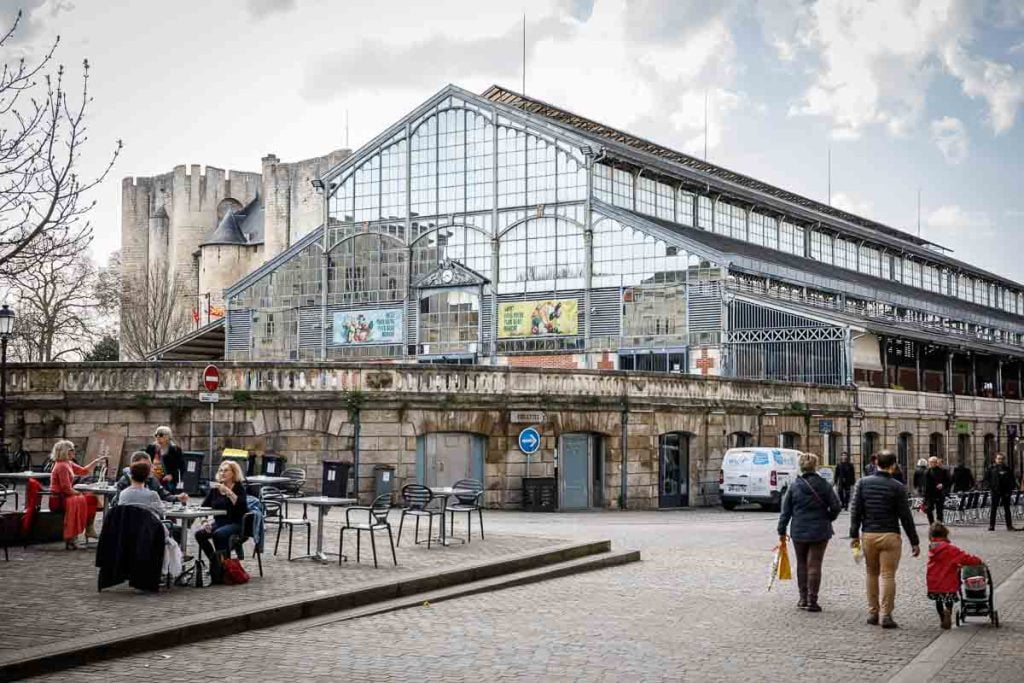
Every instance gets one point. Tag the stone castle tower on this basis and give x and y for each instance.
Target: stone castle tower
(206, 231)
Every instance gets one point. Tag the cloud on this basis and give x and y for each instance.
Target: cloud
(852, 204)
(1000, 85)
(950, 136)
(36, 15)
(258, 9)
(954, 223)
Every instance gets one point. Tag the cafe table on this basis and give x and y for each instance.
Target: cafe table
(444, 493)
(188, 514)
(321, 503)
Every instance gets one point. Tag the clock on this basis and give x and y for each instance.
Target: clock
(447, 276)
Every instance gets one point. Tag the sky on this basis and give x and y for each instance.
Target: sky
(906, 96)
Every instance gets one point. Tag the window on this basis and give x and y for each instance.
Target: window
(622, 188)
(645, 196)
(791, 238)
(470, 247)
(762, 230)
(790, 440)
(664, 200)
(685, 208)
(603, 182)
(845, 252)
(544, 254)
(623, 256)
(990, 450)
(449, 322)
(704, 215)
(963, 449)
(366, 268)
(870, 445)
(937, 445)
(741, 440)
(821, 247)
(652, 312)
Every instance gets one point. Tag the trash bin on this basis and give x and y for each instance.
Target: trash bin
(190, 472)
(272, 465)
(540, 494)
(383, 480)
(335, 481)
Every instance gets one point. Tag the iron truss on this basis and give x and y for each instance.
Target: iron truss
(786, 334)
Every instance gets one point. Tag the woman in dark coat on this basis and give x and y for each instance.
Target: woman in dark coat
(167, 459)
(811, 505)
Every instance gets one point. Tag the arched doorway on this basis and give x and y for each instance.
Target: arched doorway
(789, 440)
(963, 449)
(870, 444)
(581, 471)
(990, 450)
(904, 451)
(741, 440)
(443, 458)
(835, 445)
(674, 470)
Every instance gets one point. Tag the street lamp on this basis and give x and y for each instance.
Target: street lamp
(6, 328)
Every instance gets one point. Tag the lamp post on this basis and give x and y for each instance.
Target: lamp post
(6, 327)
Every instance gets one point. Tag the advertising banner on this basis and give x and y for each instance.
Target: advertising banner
(538, 318)
(378, 326)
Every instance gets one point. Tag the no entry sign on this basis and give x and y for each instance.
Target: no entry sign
(211, 378)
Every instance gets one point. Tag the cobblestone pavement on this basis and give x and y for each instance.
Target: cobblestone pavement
(696, 608)
(49, 593)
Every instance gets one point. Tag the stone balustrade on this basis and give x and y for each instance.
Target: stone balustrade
(183, 378)
(891, 401)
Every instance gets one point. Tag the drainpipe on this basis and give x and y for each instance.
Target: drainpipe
(625, 457)
(355, 453)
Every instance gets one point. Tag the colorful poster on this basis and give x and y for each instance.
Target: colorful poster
(538, 318)
(379, 326)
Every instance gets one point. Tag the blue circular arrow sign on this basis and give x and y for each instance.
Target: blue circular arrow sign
(529, 441)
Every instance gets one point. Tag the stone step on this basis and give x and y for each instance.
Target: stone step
(122, 642)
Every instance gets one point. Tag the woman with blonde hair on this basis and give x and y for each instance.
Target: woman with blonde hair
(167, 458)
(226, 493)
(812, 505)
(79, 509)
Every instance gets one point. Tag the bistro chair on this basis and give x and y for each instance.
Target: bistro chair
(274, 513)
(418, 499)
(468, 493)
(372, 518)
(5, 492)
(293, 488)
(237, 542)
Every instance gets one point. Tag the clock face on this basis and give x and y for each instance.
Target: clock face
(447, 276)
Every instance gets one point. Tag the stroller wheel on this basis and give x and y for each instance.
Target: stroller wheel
(995, 619)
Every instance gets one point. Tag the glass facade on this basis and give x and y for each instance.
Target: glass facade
(507, 198)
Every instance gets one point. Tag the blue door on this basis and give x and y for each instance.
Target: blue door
(574, 470)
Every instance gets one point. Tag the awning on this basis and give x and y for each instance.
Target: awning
(206, 343)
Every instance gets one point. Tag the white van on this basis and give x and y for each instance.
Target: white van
(756, 475)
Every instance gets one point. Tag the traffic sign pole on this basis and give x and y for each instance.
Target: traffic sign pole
(211, 380)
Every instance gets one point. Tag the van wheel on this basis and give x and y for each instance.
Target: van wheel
(729, 504)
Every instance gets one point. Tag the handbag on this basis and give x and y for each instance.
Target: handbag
(234, 572)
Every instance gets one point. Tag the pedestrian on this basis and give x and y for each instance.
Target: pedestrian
(899, 476)
(944, 562)
(846, 477)
(963, 478)
(936, 486)
(811, 505)
(872, 466)
(1000, 480)
(879, 509)
(918, 480)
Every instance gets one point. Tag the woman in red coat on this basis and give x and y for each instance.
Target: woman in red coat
(944, 562)
(79, 509)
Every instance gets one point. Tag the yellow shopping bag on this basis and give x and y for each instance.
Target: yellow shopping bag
(785, 574)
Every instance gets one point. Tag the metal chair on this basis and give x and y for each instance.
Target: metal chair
(468, 493)
(274, 513)
(237, 541)
(418, 500)
(4, 492)
(372, 518)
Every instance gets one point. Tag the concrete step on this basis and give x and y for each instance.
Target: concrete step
(568, 568)
(193, 628)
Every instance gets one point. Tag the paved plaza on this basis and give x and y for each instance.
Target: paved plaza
(696, 608)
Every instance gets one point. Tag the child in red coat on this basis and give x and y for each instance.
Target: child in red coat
(944, 562)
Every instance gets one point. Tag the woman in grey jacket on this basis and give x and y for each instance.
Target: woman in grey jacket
(809, 508)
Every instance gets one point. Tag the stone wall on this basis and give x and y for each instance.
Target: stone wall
(306, 412)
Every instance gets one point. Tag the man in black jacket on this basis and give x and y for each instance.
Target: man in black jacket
(1000, 482)
(879, 509)
(963, 478)
(846, 477)
(936, 486)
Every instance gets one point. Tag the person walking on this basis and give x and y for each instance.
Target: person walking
(1000, 480)
(879, 509)
(936, 486)
(846, 477)
(963, 478)
(811, 505)
(872, 466)
(918, 479)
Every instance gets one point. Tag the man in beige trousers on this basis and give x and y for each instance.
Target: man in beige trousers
(879, 508)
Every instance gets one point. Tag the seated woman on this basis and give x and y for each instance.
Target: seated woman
(228, 494)
(79, 509)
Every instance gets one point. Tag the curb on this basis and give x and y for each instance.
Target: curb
(122, 642)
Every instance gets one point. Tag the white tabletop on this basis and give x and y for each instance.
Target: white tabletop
(266, 479)
(24, 475)
(324, 501)
(175, 512)
(450, 491)
(104, 489)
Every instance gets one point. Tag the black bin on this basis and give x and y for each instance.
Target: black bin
(335, 481)
(383, 480)
(540, 494)
(272, 465)
(191, 468)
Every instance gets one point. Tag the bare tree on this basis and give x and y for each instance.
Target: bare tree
(42, 133)
(151, 312)
(55, 308)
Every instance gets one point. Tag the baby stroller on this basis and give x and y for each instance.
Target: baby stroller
(977, 595)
